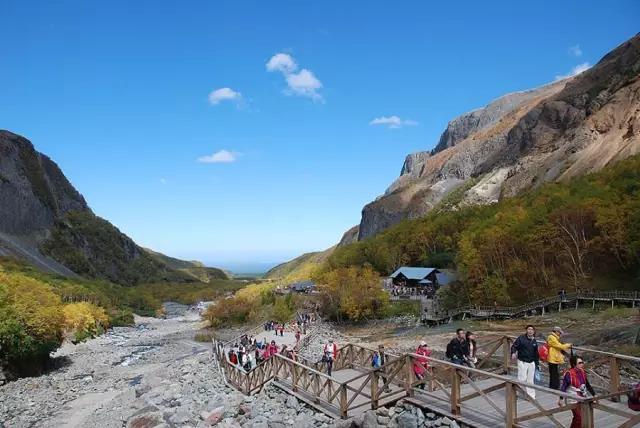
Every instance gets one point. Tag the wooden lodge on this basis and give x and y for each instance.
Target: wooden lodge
(415, 280)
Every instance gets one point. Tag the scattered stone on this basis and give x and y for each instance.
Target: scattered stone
(407, 420)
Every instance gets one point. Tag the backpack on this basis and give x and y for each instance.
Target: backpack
(633, 398)
(375, 361)
(543, 352)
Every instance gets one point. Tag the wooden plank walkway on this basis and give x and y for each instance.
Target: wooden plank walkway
(484, 415)
(476, 397)
(561, 301)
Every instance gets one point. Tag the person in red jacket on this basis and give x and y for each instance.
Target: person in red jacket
(233, 357)
(575, 382)
(271, 349)
(421, 364)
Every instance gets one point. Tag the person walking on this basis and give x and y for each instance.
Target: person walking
(383, 370)
(281, 329)
(470, 349)
(456, 348)
(297, 337)
(556, 356)
(421, 364)
(525, 349)
(330, 352)
(575, 382)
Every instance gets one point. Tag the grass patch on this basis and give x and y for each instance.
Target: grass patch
(203, 336)
(614, 313)
(397, 308)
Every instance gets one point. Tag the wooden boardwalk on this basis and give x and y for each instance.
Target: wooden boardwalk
(559, 302)
(488, 397)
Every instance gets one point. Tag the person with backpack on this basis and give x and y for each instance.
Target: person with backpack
(575, 382)
(377, 362)
(633, 397)
(525, 349)
(330, 352)
(556, 356)
(456, 348)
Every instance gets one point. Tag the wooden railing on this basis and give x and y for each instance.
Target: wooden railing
(511, 311)
(442, 384)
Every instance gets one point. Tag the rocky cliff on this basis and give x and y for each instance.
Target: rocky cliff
(567, 128)
(45, 221)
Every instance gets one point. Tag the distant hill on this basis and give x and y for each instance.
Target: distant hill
(300, 268)
(193, 268)
(46, 222)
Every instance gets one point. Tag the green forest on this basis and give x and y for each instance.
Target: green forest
(584, 234)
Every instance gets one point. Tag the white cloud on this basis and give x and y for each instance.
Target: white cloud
(303, 83)
(282, 62)
(393, 122)
(222, 156)
(224, 94)
(575, 51)
(575, 71)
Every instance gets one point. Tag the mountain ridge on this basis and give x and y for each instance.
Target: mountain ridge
(46, 222)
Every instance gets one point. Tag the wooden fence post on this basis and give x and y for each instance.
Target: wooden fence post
(506, 354)
(316, 382)
(586, 413)
(455, 392)
(343, 401)
(374, 390)
(511, 405)
(614, 377)
(410, 376)
(294, 378)
(350, 356)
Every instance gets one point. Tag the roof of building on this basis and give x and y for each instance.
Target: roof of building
(413, 272)
(424, 281)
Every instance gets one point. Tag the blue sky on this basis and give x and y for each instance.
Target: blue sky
(123, 96)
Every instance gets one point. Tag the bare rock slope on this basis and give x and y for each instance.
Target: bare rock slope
(46, 222)
(521, 140)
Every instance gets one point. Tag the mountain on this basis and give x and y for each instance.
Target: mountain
(300, 268)
(193, 268)
(45, 221)
(521, 140)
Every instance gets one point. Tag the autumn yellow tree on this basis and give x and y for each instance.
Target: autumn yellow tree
(84, 319)
(353, 293)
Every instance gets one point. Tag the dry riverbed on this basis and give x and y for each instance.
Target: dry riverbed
(150, 375)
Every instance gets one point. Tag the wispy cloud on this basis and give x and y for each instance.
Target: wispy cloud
(303, 83)
(163, 181)
(392, 122)
(575, 71)
(224, 94)
(222, 156)
(575, 51)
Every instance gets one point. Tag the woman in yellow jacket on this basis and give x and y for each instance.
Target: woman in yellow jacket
(556, 357)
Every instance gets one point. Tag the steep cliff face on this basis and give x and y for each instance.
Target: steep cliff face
(45, 221)
(33, 190)
(567, 128)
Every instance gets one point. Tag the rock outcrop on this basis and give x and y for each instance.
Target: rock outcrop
(521, 140)
(46, 222)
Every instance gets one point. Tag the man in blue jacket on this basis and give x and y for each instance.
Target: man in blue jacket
(525, 349)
